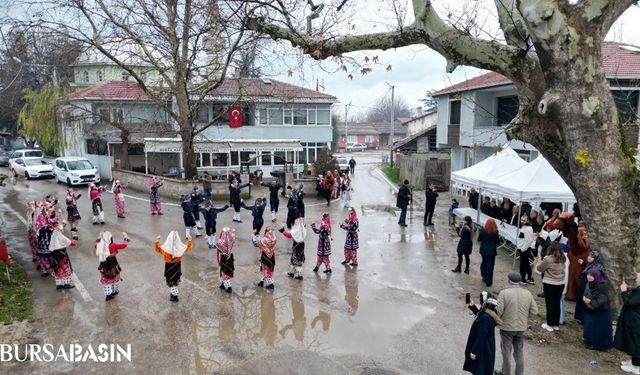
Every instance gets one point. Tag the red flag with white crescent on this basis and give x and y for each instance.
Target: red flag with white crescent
(235, 116)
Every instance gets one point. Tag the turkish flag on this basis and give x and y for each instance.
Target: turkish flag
(235, 116)
(4, 253)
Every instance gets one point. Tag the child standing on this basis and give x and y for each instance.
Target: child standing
(324, 243)
(297, 235)
(96, 203)
(118, 197)
(73, 216)
(109, 268)
(210, 215)
(267, 245)
(60, 263)
(452, 216)
(257, 211)
(154, 196)
(224, 251)
(351, 241)
(172, 251)
(187, 216)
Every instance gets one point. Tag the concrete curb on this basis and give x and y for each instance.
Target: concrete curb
(386, 179)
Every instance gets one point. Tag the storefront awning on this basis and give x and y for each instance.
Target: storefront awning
(265, 145)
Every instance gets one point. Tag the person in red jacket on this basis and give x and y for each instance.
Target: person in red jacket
(109, 268)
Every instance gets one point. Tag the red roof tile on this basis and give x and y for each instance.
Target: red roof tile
(112, 90)
(620, 61)
(257, 87)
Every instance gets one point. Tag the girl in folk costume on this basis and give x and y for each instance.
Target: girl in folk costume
(154, 196)
(336, 184)
(187, 216)
(32, 233)
(234, 198)
(172, 250)
(257, 211)
(106, 250)
(96, 203)
(267, 245)
(324, 243)
(351, 241)
(210, 214)
(224, 252)
(60, 263)
(118, 197)
(297, 235)
(73, 215)
(45, 221)
(346, 190)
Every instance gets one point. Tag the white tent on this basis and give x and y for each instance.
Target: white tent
(534, 182)
(496, 165)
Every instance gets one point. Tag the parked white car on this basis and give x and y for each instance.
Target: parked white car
(357, 147)
(31, 168)
(75, 171)
(25, 153)
(343, 163)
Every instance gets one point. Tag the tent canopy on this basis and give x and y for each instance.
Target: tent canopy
(496, 165)
(536, 181)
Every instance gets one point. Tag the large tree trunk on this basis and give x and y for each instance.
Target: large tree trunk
(124, 138)
(186, 132)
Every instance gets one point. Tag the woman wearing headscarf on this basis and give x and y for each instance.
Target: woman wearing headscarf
(597, 313)
(73, 216)
(96, 203)
(106, 251)
(224, 252)
(480, 351)
(154, 196)
(594, 262)
(297, 235)
(118, 197)
(60, 263)
(627, 337)
(351, 245)
(45, 221)
(172, 251)
(324, 243)
(267, 245)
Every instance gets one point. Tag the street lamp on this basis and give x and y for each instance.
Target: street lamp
(346, 125)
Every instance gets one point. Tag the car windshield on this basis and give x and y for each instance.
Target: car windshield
(78, 165)
(35, 162)
(342, 160)
(33, 154)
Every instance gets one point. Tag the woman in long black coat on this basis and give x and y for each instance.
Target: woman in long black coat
(480, 352)
(464, 245)
(489, 240)
(627, 337)
(597, 313)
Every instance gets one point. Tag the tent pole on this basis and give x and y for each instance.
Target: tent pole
(515, 254)
(146, 163)
(478, 206)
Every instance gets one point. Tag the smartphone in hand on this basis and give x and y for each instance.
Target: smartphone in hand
(467, 298)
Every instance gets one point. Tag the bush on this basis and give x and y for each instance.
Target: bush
(325, 162)
(15, 295)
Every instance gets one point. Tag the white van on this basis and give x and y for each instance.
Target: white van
(25, 154)
(75, 171)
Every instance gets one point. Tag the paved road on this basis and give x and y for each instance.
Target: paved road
(401, 311)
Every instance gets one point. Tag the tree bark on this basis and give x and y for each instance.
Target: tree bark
(124, 138)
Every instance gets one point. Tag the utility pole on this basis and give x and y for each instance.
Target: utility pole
(346, 125)
(393, 87)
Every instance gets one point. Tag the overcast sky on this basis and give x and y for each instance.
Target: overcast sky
(414, 71)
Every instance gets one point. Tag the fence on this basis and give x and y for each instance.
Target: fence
(103, 164)
(421, 169)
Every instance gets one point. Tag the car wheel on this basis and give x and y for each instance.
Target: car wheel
(68, 182)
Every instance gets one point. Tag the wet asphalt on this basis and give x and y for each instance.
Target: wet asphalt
(401, 311)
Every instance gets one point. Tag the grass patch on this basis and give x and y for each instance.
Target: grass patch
(15, 295)
(393, 174)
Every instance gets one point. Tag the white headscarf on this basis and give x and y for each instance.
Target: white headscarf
(173, 245)
(58, 241)
(298, 232)
(102, 250)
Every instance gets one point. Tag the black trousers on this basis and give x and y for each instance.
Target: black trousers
(428, 214)
(635, 361)
(552, 296)
(525, 265)
(466, 260)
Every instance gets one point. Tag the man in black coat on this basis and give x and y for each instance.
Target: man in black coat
(352, 166)
(430, 204)
(485, 207)
(627, 338)
(404, 197)
(473, 198)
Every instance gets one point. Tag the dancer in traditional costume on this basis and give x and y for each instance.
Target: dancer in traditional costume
(274, 199)
(172, 250)
(297, 235)
(292, 209)
(234, 198)
(45, 220)
(109, 268)
(267, 245)
(210, 215)
(187, 216)
(32, 233)
(324, 243)
(96, 203)
(257, 211)
(118, 197)
(224, 252)
(299, 193)
(60, 262)
(351, 241)
(346, 190)
(73, 215)
(154, 196)
(196, 199)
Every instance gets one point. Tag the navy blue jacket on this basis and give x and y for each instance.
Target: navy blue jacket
(488, 243)
(211, 216)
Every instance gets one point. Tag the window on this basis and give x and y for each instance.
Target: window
(221, 160)
(85, 77)
(219, 115)
(99, 76)
(300, 116)
(312, 154)
(627, 104)
(245, 156)
(507, 109)
(266, 158)
(97, 147)
(288, 116)
(117, 116)
(125, 76)
(234, 158)
(203, 113)
(352, 139)
(104, 115)
(279, 157)
(324, 116)
(368, 139)
(312, 116)
(262, 113)
(206, 159)
(143, 76)
(454, 112)
(275, 116)
(136, 149)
